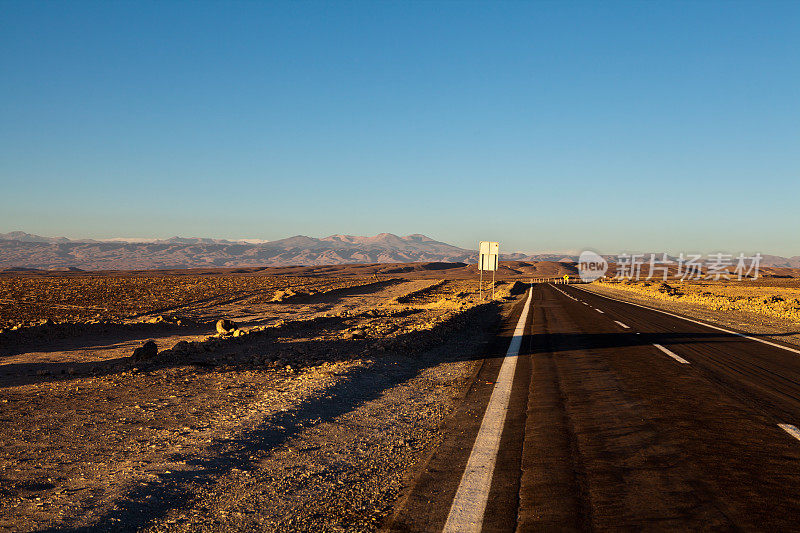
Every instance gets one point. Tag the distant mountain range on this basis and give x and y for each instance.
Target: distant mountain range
(23, 250)
(27, 237)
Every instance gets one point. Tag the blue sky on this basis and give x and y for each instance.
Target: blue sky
(614, 126)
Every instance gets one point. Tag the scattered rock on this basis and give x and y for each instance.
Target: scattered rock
(667, 289)
(147, 351)
(226, 327)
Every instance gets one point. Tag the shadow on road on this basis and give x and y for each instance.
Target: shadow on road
(560, 342)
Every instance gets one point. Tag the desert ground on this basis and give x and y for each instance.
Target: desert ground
(330, 380)
(314, 412)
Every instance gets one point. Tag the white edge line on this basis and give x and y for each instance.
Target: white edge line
(678, 358)
(791, 430)
(469, 503)
(623, 325)
(599, 311)
(697, 322)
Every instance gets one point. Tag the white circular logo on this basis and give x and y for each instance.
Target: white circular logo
(591, 266)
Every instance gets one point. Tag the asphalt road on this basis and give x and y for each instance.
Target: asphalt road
(617, 417)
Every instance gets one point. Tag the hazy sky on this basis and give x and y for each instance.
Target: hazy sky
(655, 126)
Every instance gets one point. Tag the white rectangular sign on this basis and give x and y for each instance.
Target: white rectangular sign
(488, 255)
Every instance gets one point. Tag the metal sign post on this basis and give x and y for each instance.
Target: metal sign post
(488, 253)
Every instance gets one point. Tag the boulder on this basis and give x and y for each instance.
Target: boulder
(226, 327)
(147, 351)
(518, 287)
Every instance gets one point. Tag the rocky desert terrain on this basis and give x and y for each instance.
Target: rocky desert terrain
(126, 405)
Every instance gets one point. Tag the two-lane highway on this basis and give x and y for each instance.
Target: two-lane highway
(591, 413)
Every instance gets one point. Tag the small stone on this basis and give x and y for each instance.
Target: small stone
(147, 351)
(226, 327)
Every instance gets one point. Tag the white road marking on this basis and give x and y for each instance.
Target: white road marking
(762, 341)
(599, 311)
(469, 503)
(623, 325)
(791, 430)
(584, 303)
(565, 293)
(678, 358)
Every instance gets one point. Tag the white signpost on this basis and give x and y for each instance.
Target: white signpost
(488, 254)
